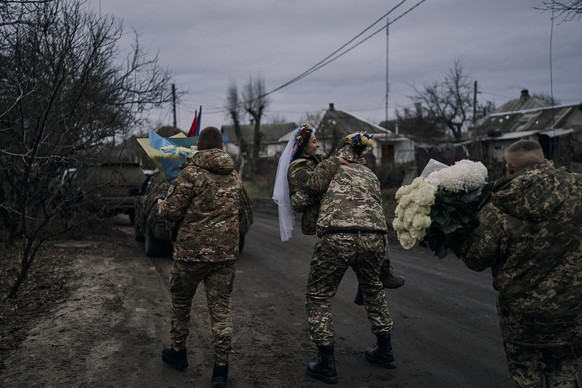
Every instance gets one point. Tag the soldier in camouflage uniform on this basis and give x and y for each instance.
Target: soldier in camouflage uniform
(529, 234)
(303, 162)
(352, 230)
(204, 201)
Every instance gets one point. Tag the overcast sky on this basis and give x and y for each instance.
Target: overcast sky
(503, 44)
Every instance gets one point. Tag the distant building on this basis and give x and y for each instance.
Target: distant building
(271, 134)
(389, 148)
(557, 128)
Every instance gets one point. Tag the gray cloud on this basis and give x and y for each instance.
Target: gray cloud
(504, 45)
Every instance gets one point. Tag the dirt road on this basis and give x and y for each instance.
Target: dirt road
(110, 331)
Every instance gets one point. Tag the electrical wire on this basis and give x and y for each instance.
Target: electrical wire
(330, 58)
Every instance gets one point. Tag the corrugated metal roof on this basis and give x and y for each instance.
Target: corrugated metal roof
(516, 135)
(525, 101)
(556, 132)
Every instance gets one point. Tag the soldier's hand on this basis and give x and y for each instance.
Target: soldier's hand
(342, 160)
(362, 160)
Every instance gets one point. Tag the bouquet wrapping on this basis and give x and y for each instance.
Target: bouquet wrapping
(438, 208)
(169, 153)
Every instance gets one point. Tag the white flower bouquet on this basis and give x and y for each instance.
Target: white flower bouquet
(438, 208)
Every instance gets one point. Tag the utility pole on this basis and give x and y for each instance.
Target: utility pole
(475, 103)
(174, 104)
(387, 84)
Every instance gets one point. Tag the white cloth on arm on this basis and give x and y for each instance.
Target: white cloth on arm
(281, 193)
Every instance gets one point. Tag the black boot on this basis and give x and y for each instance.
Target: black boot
(324, 369)
(178, 360)
(382, 353)
(219, 375)
(389, 280)
(359, 299)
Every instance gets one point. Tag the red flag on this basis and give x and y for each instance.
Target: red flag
(194, 126)
(197, 132)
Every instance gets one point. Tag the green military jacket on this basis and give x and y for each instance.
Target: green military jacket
(204, 200)
(530, 235)
(298, 175)
(350, 194)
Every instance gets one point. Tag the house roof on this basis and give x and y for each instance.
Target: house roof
(525, 101)
(536, 119)
(270, 133)
(342, 123)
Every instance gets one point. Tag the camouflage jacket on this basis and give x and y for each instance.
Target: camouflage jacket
(298, 174)
(530, 234)
(350, 195)
(204, 201)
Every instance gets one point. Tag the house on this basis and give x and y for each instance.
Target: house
(557, 128)
(389, 148)
(271, 145)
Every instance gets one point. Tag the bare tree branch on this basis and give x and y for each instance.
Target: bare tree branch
(565, 10)
(447, 103)
(66, 93)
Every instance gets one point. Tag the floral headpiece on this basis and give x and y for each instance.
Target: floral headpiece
(300, 137)
(359, 140)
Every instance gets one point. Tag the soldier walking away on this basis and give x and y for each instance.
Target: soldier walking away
(204, 200)
(529, 234)
(353, 233)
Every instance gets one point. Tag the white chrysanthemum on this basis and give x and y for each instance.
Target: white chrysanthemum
(464, 175)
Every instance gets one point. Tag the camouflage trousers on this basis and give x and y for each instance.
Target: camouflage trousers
(552, 367)
(332, 256)
(218, 281)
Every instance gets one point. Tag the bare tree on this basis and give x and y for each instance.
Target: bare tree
(236, 113)
(548, 99)
(66, 95)
(276, 119)
(448, 103)
(566, 10)
(255, 103)
(313, 119)
(413, 123)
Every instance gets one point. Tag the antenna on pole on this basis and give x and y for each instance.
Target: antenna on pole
(387, 84)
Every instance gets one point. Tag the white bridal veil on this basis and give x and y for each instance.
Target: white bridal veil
(281, 192)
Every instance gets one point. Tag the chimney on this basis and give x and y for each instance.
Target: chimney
(524, 94)
(331, 107)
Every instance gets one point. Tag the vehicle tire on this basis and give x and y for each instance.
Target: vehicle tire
(154, 247)
(241, 242)
(138, 235)
(131, 215)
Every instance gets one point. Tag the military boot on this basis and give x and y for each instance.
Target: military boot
(382, 353)
(219, 375)
(178, 360)
(324, 368)
(389, 280)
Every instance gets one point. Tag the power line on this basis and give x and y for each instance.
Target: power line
(330, 58)
(323, 61)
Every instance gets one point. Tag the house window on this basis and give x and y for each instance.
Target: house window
(387, 154)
